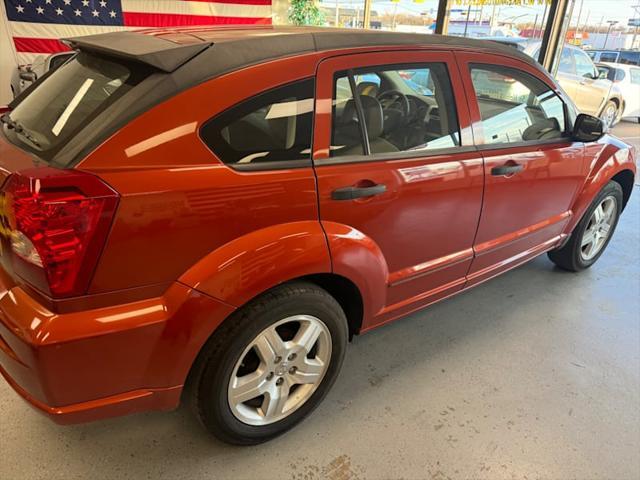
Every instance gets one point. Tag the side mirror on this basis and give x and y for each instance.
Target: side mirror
(28, 76)
(588, 128)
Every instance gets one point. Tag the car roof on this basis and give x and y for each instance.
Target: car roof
(619, 66)
(227, 48)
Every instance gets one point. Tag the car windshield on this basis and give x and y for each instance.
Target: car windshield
(65, 101)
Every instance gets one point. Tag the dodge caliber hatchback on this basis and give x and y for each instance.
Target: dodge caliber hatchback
(211, 214)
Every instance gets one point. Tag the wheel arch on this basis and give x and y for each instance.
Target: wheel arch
(625, 179)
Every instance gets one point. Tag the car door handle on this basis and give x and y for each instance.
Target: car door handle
(350, 193)
(506, 170)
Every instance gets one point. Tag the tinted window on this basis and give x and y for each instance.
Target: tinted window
(407, 108)
(634, 75)
(516, 106)
(67, 100)
(630, 58)
(584, 65)
(272, 127)
(608, 56)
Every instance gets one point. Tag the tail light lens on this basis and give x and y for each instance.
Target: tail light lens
(57, 222)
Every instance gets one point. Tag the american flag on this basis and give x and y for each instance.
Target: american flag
(36, 25)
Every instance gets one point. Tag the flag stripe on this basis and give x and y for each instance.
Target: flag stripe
(235, 2)
(48, 30)
(37, 45)
(133, 19)
(189, 7)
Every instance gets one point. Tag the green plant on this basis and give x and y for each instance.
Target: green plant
(305, 12)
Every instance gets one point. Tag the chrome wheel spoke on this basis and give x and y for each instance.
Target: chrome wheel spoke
(309, 371)
(598, 214)
(307, 336)
(274, 400)
(588, 238)
(248, 387)
(269, 345)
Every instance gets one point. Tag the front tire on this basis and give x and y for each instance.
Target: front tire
(593, 233)
(270, 364)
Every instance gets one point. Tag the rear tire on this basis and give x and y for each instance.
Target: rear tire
(578, 254)
(245, 348)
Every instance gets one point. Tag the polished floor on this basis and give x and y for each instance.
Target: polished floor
(534, 375)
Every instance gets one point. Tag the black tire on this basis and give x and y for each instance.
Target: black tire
(569, 257)
(212, 372)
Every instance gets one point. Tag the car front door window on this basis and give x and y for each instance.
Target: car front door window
(515, 106)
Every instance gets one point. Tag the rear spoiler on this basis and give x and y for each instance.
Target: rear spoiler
(148, 49)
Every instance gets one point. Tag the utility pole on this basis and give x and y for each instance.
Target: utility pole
(367, 14)
(466, 20)
(337, 13)
(578, 20)
(606, 38)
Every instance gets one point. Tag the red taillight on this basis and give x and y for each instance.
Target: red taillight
(58, 221)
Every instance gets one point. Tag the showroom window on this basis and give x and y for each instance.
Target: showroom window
(275, 126)
(515, 106)
(406, 108)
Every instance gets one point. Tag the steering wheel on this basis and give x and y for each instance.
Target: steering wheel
(395, 107)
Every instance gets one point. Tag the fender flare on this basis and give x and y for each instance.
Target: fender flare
(614, 157)
(253, 263)
(358, 258)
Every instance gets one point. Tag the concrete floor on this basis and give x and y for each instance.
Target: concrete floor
(535, 374)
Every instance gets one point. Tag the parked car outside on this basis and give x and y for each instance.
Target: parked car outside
(627, 79)
(627, 57)
(579, 77)
(161, 240)
(25, 75)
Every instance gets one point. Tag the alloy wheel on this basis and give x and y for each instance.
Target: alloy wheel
(279, 370)
(599, 228)
(609, 115)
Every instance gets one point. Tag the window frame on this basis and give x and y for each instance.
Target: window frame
(467, 59)
(255, 99)
(359, 63)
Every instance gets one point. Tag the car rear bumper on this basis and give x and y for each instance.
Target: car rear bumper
(83, 366)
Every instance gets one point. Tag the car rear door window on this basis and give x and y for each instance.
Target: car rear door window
(516, 106)
(393, 108)
(609, 57)
(630, 57)
(634, 76)
(266, 131)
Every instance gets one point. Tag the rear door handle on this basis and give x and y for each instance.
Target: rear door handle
(506, 170)
(350, 193)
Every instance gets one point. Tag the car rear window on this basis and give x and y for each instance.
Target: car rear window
(66, 100)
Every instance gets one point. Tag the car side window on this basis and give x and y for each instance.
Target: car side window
(567, 64)
(403, 108)
(630, 57)
(609, 57)
(274, 126)
(516, 106)
(584, 65)
(634, 76)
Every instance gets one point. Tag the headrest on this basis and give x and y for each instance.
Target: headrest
(542, 130)
(368, 88)
(372, 115)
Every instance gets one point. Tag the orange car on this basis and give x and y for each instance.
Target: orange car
(212, 213)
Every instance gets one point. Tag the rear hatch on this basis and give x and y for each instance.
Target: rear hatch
(54, 219)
